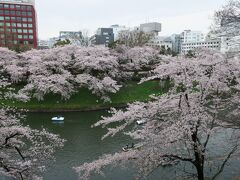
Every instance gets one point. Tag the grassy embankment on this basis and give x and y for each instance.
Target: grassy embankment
(84, 100)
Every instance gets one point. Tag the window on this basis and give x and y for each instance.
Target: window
(1, 5)
(19, 25)
(6, 6)
(29, 25)
(2, 42)
(24, 25)
(12, 12)
(30, 31)
(18, 13)
(1, 29)
(20, 36)
(1, 18)
(29, 13)
(19, 30)
(14, 42)
(25, 42)
(24, 19)
(19, 19)
(12, 6)
(30, 19)
(30, 36)
(18, 7)
(25, 36)
(7, 18)
(24, 8)
(29, 8)
(1, 11)
(25, 31)
(8, 30)
(24, 13)
(13, 24)
(2, 36)
(13, 18)
(7, 12)
(14, 30)
(8, 24)
(1, 24)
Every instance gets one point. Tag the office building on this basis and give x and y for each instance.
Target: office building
(208, 44)
(152, 27)
(192, 36)
(118, 29)
(161, 42)
(104, 36)
(18, 23)
(176, 43)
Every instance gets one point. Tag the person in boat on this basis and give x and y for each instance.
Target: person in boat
(128, 147)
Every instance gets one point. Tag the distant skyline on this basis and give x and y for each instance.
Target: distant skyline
(74, 15)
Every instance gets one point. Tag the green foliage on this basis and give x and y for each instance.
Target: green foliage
(62, 42)
(167, 51)
(114, 44)
(84, 100)
(19, 48)
(190, 54)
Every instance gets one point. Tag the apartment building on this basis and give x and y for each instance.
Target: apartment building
(18, 23)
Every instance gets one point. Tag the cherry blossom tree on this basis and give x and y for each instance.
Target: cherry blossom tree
(136, 62)
(23, 151)
(181, 125)
(227, 19)
(139, 58)
(65, 70)
(227, 24)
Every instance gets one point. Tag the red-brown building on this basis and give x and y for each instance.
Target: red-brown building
(18, 23)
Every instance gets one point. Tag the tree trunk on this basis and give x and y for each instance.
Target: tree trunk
(200, 171)
(199, 159)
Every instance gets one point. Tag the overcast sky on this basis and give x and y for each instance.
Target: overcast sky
(74, 15)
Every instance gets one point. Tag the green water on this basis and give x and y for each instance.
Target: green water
(84, 145)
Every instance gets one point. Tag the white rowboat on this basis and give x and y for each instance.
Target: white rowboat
(139, 122)
(58, 118)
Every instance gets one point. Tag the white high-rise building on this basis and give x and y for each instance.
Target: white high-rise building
(193, 40)
(189, 36)
(209, 44)
(161, 41)
(117, 29)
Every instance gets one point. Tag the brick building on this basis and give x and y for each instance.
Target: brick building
(18, 23)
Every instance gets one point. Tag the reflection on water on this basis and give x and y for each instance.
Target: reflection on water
(58, 122)
(84, 145)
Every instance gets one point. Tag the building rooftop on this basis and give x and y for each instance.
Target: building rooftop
(151, 27)
(32, 2)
